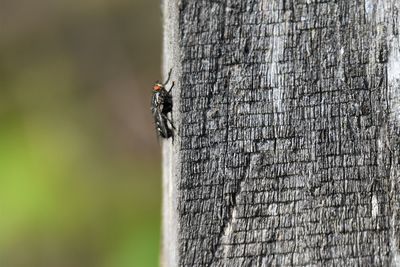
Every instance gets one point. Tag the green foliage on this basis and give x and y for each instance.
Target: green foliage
(79, 165)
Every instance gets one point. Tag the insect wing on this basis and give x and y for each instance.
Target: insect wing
(159, 120)
(162, 126)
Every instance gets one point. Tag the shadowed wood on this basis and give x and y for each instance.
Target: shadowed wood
(287, 148)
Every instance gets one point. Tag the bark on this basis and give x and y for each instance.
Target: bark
(288, 133)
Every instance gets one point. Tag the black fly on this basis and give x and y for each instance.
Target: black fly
(161, 105)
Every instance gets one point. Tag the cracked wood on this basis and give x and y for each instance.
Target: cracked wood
(288, 133)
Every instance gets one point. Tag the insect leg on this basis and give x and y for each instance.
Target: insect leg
(169, 76)
(172, 86)
(170, 121)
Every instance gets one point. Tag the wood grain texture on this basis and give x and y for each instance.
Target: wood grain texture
(289, 133)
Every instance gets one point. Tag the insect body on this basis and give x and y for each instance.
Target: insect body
(161, 105)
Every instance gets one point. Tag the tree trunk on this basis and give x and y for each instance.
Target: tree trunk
(288, 133)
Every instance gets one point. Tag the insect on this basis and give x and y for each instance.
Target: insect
(161, 105)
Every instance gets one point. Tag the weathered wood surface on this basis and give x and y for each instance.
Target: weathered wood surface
(287, 148)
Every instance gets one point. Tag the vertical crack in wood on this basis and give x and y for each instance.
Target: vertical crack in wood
(393, 84)
(229, 221)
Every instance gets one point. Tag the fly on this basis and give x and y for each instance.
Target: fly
(161, 105)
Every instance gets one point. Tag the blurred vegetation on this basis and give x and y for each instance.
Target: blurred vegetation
(79, 160)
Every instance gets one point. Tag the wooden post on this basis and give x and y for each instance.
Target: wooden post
(288, 133)
(171, 148)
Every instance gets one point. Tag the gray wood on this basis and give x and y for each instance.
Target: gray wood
(288, 133)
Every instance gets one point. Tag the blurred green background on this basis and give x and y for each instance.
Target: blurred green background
(79, 159)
